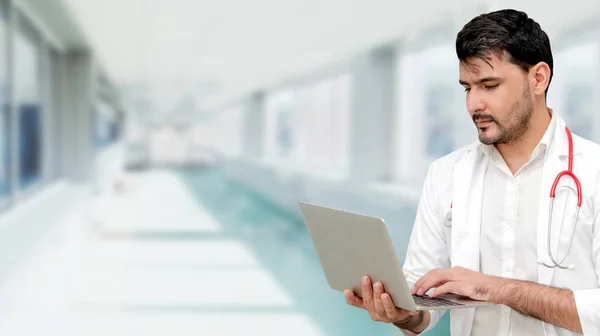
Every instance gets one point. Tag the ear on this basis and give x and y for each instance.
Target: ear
(541, 77)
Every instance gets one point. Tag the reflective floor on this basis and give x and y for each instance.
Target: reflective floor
(179, 253)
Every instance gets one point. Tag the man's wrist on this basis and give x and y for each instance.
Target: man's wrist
(415, 323)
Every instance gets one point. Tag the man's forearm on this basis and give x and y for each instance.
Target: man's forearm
(551, 305)
(416, 324)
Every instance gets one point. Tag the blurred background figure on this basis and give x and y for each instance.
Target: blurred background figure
(152, 152)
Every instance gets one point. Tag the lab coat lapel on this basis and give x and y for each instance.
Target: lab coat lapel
(469, 175)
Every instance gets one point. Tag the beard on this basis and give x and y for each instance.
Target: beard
(511, 130)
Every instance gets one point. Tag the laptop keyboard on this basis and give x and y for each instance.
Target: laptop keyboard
(427, 301)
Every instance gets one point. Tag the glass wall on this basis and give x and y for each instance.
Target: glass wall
(324, 114)
(573, 91)
(280, 125)
(439, 139)
(228, 131)
(5, 163)
(31, 119)
(432, 118)
(105, 124)
(28, 103)
(53, 119)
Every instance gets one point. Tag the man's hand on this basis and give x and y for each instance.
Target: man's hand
(381, 308)
(460, 281)
(555, 306)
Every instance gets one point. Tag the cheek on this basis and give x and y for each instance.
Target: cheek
(500, 105)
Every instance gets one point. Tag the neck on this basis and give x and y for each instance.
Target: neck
(518, 152)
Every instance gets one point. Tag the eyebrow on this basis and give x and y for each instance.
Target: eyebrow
(481, 80)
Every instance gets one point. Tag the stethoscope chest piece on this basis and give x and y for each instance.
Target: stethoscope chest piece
(448, 219)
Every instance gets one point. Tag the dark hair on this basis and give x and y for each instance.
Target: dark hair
(505, 32)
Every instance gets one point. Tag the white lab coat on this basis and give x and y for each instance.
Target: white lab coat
(458, 179)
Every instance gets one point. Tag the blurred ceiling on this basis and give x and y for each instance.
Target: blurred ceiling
(222, 50)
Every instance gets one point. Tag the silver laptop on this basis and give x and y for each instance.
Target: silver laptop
(351, 245)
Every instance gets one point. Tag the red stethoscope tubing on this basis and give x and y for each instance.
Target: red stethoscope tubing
(568, 172)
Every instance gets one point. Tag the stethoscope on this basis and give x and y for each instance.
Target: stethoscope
(569, 172)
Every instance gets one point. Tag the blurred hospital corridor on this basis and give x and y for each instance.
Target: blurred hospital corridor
(153, 153)
(175, 253)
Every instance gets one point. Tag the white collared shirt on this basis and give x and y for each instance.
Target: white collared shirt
(508, 245)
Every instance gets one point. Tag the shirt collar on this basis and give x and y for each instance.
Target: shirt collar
(546, 140)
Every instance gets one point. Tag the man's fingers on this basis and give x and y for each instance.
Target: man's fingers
(378, 291)
(419, 283)
(431, 283)
(432, 279)
(353, 300)
(393, 313)
(390, 309)
(388, 305)
(448, 287)
(367, 293)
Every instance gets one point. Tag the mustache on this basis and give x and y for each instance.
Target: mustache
(483, 116)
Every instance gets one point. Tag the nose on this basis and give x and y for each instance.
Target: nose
(475, 102)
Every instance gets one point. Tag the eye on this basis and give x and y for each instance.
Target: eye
(467, 89)
(491, 87)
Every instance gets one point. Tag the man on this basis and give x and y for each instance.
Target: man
(483, 223)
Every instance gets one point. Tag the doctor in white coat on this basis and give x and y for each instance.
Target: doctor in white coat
(483, 227)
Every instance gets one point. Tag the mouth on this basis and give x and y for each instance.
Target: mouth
(483, 123)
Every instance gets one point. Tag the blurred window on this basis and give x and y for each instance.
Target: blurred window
(439, 121)
(5, 159)
(432, 118)
(323, 111)
(574, 84)
(281, 126)
(105, 124)
(28, 103)
(229, 131)
(579, 99)
(52, 119)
